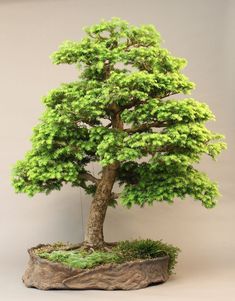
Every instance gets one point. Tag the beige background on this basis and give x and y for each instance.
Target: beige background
(201, 31)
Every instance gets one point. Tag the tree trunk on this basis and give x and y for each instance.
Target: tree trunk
(94, 233)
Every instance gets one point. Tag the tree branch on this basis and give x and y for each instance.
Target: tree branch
(145, 126)
(131, 104)
(136, 102)
(169, 94)
(89, 177)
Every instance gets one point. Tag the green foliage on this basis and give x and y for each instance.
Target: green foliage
(125, 72)
(147, 249)
(80, 259)
(172, 111)
(166, 181)
(124, 251)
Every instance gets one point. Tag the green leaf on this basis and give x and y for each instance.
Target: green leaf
(118, 111)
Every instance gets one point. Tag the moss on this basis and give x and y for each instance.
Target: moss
(147, 249)
(81, 259)
(124, 251)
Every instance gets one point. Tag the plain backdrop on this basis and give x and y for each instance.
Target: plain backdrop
(202, 31)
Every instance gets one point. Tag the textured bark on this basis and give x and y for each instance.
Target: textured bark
(94, 233)
(45, 275)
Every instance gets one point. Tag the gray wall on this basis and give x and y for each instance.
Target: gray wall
(202, 31)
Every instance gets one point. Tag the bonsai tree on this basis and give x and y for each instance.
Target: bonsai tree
(121, 114)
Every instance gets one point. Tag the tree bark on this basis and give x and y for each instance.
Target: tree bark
(94, 233)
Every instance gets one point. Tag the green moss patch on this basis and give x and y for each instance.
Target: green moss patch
(124, 251)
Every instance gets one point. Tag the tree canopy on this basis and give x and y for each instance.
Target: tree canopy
(156, 139)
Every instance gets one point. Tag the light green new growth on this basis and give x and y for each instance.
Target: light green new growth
(125, 71)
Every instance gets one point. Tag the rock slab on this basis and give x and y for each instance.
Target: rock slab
(44, 274)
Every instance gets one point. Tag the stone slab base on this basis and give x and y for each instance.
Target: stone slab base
(45, 275)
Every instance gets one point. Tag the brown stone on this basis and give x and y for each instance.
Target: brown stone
(44, 274)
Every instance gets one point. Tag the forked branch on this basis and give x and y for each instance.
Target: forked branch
(89, 177)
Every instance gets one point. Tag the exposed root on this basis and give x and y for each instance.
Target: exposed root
(83, 246)
(104, 246)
